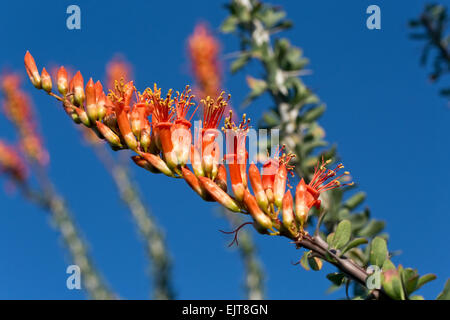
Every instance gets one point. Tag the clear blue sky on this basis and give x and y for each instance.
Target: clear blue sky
(390, 125)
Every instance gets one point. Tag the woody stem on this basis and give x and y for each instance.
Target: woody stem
(318, 246)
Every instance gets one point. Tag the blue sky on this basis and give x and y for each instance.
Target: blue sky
(389, 124)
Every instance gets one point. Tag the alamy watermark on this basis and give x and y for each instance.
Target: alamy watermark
(74, 280)
(373, 281)
(73, 21)
(374, 20)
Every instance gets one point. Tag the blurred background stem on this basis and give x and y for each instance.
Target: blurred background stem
(149, 230)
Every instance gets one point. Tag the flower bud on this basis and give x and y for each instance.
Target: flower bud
(195, 183)
(91, 101)
(109, 135)
(288, 214)
(279, 185)
(62, 80)
(303, 201)
(32, 71)
(221, 178)
(100, 100)
(82, 115)
(257, 214)
(78, 89)
(141, 162)
(219, 195)
(158, 163)
(258, 190)
(46, 81)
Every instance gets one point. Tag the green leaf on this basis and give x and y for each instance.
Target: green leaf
(313, 113)
(354, 243)
(315, 263)
(392, 285)
(445, 294)
(258, 87)
(373, 228)
(229, 25)
(378, 251)
(410, 278)
(355, 200)
(239, 63)
(425, 279)
(338, 278)
(271, 118)
(416, 298)
(342, 234)
(330, 238)
(304, 260)
(388, 265)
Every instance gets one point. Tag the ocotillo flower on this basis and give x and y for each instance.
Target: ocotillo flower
(11, 163)
(78, 89)
(121, 100)
(181, 135)
(236, 156)
(288, 213)
(258, 189)
(307, 195)
(274, 176)
(126, 122)
(212, 115)
(32, 70)
(204, 51)
(162, 122)
(17, 106)
(62, 81)
(46, 81)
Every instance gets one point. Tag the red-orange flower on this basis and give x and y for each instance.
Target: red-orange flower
(11, 163)
(17, 106)
(213, 111)
(307, 195)
(204, 51)
(236, 156)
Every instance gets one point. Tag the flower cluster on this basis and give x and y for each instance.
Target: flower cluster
(11, 163)
(18, 108)
(203, 50)
(158, 128)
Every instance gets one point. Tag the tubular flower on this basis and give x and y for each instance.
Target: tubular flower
(257, 186)
(17, 106)
(11, 163)
(203, 51)
(307, 195)
(212, 115)
(274, 176)
(181, 136)
(236, 156)
(121, 99)
(158, 129)
(162, 122)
